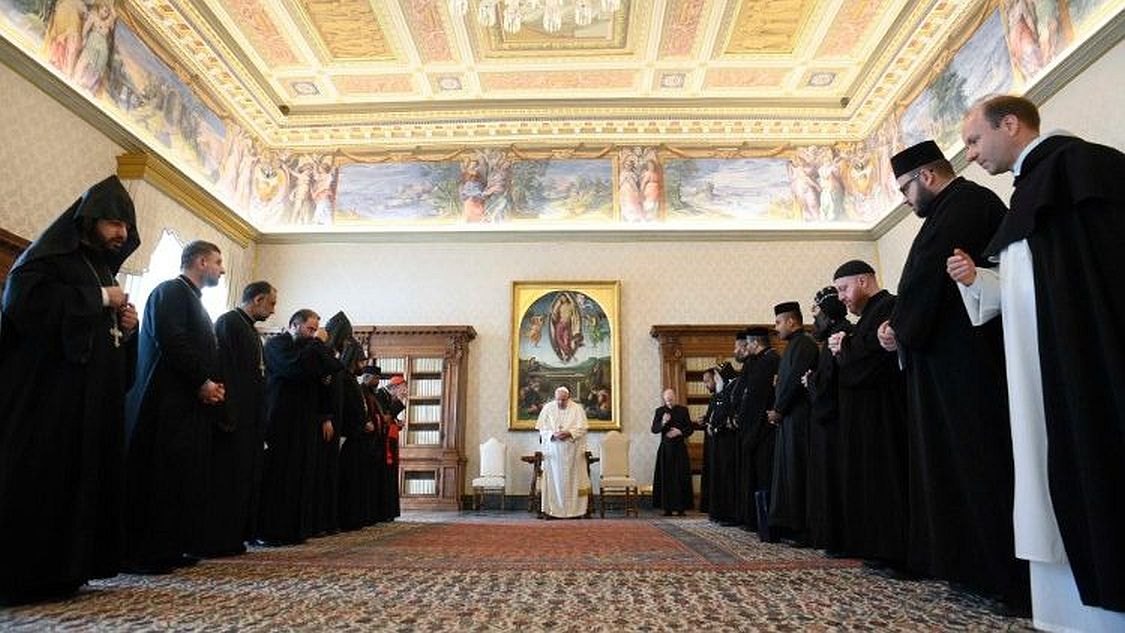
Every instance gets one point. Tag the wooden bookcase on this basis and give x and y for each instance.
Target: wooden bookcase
(434, 361)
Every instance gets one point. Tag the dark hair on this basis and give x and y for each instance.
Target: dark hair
(196, 248)
(996, 108)
(300, 317)
(764, 341)
(255, 288)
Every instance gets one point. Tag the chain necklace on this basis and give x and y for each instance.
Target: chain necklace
(115, 330)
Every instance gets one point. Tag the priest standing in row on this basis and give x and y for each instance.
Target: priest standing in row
(960, 441)
(239, 430)
(723, 458)
(824, 514)
(757, 435)
(872, 424)
(67, 353)
(562, 437)
(790, 415)
(298, 367)
(168, 417)
(671, 479)
(1058, 288)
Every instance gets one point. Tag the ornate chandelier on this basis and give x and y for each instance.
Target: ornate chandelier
(513, 13)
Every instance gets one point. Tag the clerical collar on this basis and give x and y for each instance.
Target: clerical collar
(1031, 146)
(190, 285)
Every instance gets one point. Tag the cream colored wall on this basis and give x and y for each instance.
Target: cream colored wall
(470, 284)
(51, 157)
(1090, 106)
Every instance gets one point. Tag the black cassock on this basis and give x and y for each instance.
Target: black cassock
(960, 464)
(295, 395)
(873, 432)
(1069, 204)
(708, 442)
(722, 477)
(671, 479)
(791, 449)
(168, 428)
(62, 409)
(357, 455)
(389, 407)
(236, 437)
(824, 492)
(756, 435)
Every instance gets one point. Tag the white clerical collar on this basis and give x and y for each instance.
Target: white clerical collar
(1032, 145)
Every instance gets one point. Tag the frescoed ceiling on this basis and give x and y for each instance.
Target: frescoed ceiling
(307, 74)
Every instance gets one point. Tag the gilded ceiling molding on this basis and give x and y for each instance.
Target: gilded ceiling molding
(170, 181)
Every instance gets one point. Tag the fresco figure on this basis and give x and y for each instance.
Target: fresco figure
(324, 191)
(64, 35)
(93, 61)
(1023, 37)
(472, 191)
(652, 189)
(629, 191)
(566, 326)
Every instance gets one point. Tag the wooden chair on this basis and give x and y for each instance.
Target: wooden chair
(493, 462)
(615, 480)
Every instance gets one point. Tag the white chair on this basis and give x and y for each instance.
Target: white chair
(493, 459)
(615, 480)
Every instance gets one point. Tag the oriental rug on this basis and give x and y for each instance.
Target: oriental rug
(514, 574)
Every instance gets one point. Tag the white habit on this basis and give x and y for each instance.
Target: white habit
(1009, 290)
(566, 482)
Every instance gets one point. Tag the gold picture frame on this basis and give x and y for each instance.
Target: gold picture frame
(566, 333)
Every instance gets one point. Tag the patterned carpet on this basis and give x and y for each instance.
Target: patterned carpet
(508, 573)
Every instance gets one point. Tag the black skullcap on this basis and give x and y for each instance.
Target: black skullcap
(914, 157)
(740, 335)
(758, 332)
(788, 306)
(853, 267)
(372, 369)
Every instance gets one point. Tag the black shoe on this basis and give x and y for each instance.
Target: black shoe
(681, 513)
(831, 553)
(148, 569)
(49, 593)
(667, 513)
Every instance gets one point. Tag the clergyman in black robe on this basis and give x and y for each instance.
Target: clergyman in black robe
(960, 441)
(1062, 237)
(709, 381)
(671, 478)
(824, 488)
(339, 329)
(168, 417)
(298, 368)
(790, 414)
(239, 431)
(357, 455)
(722, 482)
(67, 353)
(756, 435)
(388, 401)
(872, 423)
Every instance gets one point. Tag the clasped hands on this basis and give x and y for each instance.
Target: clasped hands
(212, 392)
(127, 318)
(561, 435)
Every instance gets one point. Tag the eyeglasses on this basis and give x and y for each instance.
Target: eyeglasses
(902, 189)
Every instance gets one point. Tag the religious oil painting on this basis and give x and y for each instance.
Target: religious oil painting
(738, 189)
(566, 334)
(395, 192)
(561, 190)
(983, 66)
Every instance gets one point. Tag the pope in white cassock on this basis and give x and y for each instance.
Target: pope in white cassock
(562, 433)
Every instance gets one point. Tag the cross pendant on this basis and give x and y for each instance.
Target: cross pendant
(116, 333)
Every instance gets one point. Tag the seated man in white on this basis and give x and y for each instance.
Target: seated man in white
(562, 433)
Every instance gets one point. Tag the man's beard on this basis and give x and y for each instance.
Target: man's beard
(925, 203)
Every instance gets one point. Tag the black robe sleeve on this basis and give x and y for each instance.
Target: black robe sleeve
(862, 359)
(802, 355)
(172, 316)
(239, 358)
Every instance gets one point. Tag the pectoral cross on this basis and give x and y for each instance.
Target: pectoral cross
(116, 333)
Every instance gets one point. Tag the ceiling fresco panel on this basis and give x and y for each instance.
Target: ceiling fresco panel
(348, 29)
(428, 29)
(257, 26)
(745, 77)
(373, 84)
(608, 33)
(768, 26)
(682, 21)
(849, 28)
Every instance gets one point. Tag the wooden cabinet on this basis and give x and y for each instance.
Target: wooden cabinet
(434, 361)
(11, 246)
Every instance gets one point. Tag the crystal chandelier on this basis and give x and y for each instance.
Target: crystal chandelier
(511, 14)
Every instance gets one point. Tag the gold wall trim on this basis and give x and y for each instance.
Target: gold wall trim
(565, 235)
(170, 181)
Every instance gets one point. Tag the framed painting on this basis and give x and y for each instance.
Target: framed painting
(566, 334)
